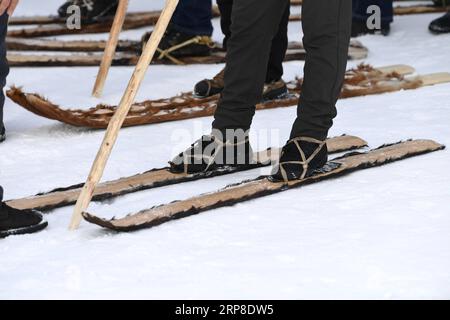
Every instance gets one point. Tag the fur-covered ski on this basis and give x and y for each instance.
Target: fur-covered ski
(399, 11)
(363, 80)
(261, 187)
(160, 177)
(54, 26)
(88, 53)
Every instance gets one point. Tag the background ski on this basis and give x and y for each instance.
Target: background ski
(261, 187)
(400, 10)
(133, 20)
(361, 81)
(127, 55)
(154, 178)
(39, 44)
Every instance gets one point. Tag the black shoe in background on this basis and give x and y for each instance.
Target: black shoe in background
(275, 90)
(440, 25)
(91, 10)
(299, 158)
(210, 87)
(15, 222)
(188, 45)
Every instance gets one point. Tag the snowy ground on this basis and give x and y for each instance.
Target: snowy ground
(380, 233)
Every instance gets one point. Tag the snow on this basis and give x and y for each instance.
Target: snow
(382, 233)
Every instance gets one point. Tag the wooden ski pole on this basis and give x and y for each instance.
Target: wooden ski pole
(110, 49)
(122, 110)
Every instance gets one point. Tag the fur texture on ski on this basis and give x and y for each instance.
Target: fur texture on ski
(363, 80)
(133, 20)
(261, 187)
(61, 197)
(84, 53)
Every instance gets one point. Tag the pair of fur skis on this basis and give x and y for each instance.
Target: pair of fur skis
(160, 177)
(261, 187)
(88, 53)
(361, 81)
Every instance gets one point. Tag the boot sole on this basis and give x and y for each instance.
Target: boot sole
(309, 173)
(25, 230)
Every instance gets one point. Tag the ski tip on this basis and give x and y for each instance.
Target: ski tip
(427, 145)
(435, 78)
(402, 69)
(96, 220)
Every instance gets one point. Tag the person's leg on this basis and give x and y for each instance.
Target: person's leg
(193, 17)
(360, 15)
(386, 6)
(14, 222)
(225, 8)
(254, 25)
(275, 87)
(4, 69)
(278, 50)
(189, 32)
(326, 41)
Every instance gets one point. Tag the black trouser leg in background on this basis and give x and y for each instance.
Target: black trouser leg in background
(4, 68)
(278, 51)
(254, 26)
(326, 40)
(225, 8)
(279, 42)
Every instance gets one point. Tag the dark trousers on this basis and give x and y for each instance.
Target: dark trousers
(386, 6)
(193, 17)
(279, 42)
(326, 27)
(4, 68)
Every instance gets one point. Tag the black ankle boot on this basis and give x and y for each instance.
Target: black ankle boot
(212, 153)
(275, 90)
(441, 25)
(210, 87)
(178, 44)
(15, 222)
(300, 157)
(91, 10)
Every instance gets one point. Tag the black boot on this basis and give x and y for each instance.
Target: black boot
(91, 10)
(275, 90)
(212, 153)
(177, 44)
(300, 157)
(210, 87)
(441, 25)
(359, 28)
(2, 134)
(15, 222)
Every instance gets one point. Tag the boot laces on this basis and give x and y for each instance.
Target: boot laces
(304, 162)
